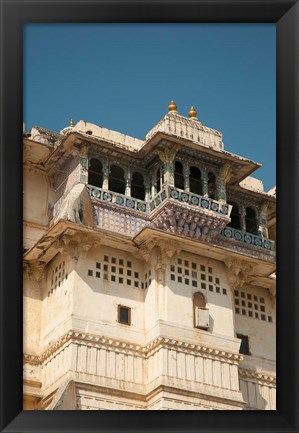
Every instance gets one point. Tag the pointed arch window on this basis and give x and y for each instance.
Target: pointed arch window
(251, 221)
(179, 175)
(95, 173)
(195, 180)
(116, 181)
(137, 186)
(235, 217)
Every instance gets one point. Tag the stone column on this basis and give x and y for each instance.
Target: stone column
(221, 190)
(167, 156)
(204, 179)
(224, 176)
(153, 185)
(106, 170)
(147, 188)
(83, 164)
(128, 182)
(242, 214)
(262, 220)
(186, 170)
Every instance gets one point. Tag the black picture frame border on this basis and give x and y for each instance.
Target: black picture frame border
(14, 14)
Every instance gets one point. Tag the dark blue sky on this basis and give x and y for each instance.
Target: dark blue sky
(122, 77)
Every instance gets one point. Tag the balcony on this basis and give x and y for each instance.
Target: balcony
(248, 238)
(117, 199)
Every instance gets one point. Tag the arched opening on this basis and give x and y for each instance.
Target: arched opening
(137, 186)
(212, 189)
(179, 175)
(250, 221)
(195, 180)
(95, 173)
(235, 217)
(199, 300)
(116, 181)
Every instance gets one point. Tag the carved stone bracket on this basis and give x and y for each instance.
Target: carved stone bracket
(239, 272)
(75, 245)
(159, 252)
(35, 270)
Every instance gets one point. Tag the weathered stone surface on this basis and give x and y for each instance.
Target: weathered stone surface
(76, 207)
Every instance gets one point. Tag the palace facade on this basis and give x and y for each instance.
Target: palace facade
(149, 271)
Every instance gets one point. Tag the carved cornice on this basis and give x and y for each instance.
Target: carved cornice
(75, 244)
(257, 376)
(35, 270)
(133, 349)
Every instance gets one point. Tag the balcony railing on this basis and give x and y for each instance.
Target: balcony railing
(248, 238)
(191, 199)
(116, 198)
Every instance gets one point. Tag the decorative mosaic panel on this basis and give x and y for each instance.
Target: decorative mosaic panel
(114, 221)
(196, 275)
(248, 238)
(251, 305)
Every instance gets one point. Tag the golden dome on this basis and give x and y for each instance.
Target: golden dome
(192, 112)
(72, 123)
(172, 106)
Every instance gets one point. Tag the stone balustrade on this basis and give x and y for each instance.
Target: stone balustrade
(248, 238)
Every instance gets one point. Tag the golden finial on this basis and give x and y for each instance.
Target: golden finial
(172, 106)
(72, 123)
(192, 112)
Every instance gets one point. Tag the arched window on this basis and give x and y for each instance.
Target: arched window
(199, 300)
(179, 175)
(195, 180)
(137, 186)
(212, 185)
(117, 179)
(95, 173)
(250, 221)
(235, 217)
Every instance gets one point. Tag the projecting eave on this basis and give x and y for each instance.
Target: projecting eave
(255, 193)
(240, 167)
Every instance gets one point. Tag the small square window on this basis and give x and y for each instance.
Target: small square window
(172, 277)
(256, 307)
(121, 271)
(194, 274)
(193, 265)
(187, 281)
(243, 303)
(129, 264)
(263, 308)
(224, 291)
(256, 315)
(244, 346)
(146, 284)
(149, 281)
(217, 281)
(203, 285)
(237, 310)
(262, 300)
(113, 278)
(180, 279)
(129, 272)
(250, 313)
(202, 268)
(255, 298)
(236, 293)
(210, 270)
(136, 274)
(249, 304)
(136, 283)
(187, 272)
(210, 279)
(172, 268)
(248, 295)
(124, 315)
(179, 261)
(105, 276)
(106, 259)
(203, 276)
(105, 267)
(217, 289)
(98, 274)
(244, 312)
(129, 282)
(89, 273)
(98, 265)
(269, 319)
(263, 317)
(142, 285)
(210, 288)
(236, 301)
(186, 263)
(242, 295)
(194, 283)
(113, 260)
(121, 262)
(113, 269)
(179, 270)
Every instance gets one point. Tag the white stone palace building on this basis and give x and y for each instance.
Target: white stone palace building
(149, 271)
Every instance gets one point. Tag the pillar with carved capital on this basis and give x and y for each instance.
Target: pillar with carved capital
(128, 181)
(106, 170)
(83, 159)
(147, 185)
(204, 178)
(221, 190)
(242, 214)
(186, 170)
